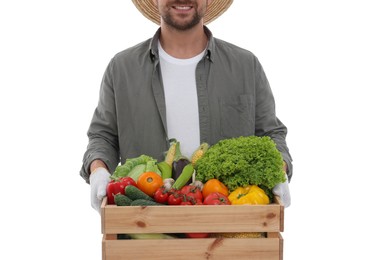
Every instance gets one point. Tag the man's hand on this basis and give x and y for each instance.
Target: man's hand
(282, 190)
(99, 180)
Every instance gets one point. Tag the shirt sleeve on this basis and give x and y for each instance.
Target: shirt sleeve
(103, 132)
(267, 123)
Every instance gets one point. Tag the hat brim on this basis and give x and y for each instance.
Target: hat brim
(214, 10)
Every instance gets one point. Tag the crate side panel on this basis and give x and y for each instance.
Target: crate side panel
(178, 219)
(220, 249)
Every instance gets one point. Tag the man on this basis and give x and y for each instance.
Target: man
(184, 84)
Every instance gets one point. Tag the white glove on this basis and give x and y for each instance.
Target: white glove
(283, 191)
(99, 180)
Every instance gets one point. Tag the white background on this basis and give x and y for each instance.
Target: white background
(52, 58)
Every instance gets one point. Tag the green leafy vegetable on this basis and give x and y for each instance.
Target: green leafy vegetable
(134, 167)
(242, 161)
(152, 166)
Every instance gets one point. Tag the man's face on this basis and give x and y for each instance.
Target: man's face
(182, 14)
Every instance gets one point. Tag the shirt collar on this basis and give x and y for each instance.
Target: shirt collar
(154, 54)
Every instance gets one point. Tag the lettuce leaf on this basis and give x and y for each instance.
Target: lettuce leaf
(242, 161)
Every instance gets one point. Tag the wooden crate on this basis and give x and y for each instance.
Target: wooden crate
(268, 219)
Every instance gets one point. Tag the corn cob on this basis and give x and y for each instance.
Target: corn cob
(238, 235)
(150, 236)
(200, 151)
(170, 154)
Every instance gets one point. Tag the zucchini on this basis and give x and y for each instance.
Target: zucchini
(183, 179)
(122, 200)
(142, 202)
(135, 193)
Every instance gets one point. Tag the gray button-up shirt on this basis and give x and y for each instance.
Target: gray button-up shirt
(234, 99)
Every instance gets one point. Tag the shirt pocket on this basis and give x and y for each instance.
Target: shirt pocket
(237, 116)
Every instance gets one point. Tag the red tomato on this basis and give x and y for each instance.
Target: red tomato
(174, 199)
(191, 199)
(174, 191)
(186, 189)
(192, 191)
(115, 187)
(185, 203)
(197, 235)
(216, 198)
(198, 202)
(161, 195)
(186, 200)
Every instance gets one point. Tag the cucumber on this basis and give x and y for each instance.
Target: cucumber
(142, 202)
(135, 193)
(122, 200)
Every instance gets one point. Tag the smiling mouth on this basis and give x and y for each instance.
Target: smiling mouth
(182, 8)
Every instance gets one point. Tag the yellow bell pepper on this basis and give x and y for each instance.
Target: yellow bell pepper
(250, 194)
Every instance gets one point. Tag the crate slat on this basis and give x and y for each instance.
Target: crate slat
(181, 219)
(207, 248)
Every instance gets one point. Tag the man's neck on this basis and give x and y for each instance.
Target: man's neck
(183, 44)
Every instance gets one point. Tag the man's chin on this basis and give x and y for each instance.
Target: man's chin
(182, 24)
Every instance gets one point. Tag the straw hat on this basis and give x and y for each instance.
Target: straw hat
(214, 10)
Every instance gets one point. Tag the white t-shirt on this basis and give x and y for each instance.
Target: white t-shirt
(181, 100)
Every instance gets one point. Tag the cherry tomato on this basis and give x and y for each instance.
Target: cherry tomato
(191, 199)
(174, 199)
(186, 200)
(192, 191)
(175, 191)
(161, 195)
(216, 198)
(185, 203)
(186, 189)
(115, 187)
(198, 202)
